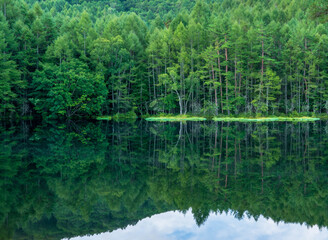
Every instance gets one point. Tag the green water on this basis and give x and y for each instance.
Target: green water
(69, 179)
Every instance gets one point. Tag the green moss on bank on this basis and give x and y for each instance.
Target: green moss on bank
(107, 118)
(131, 116)
(267, 119)
(179, 118)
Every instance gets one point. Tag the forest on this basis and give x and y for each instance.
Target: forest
(73, 179)
(83, 58)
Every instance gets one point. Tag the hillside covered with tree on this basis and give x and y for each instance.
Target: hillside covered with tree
(67, 59)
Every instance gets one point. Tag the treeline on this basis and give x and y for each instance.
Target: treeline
(147, 10)
(79, 179)
(222, 57)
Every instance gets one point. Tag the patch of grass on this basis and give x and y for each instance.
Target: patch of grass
(267, 119)
(108, 118)
(179, 118)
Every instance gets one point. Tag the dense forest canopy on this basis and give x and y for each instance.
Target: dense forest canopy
(84, 58)
(61, 181)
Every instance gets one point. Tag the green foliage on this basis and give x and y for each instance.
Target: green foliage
(320, 10)
(174, 57)
(125, 116)
(10, 82)
(68, 90)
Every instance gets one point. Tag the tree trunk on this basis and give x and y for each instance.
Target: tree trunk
(221, 97)
(215, 92)
(235, 77)
(154, 81)
(226, 58)
(305, 80)
(262, 72)
(181, 106)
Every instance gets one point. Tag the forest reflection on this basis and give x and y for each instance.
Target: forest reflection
(62, 180)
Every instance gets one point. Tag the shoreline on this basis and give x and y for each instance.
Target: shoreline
(184, 118)
(267, 119)
(176, 119)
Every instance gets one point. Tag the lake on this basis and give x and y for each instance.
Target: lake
(151, 180)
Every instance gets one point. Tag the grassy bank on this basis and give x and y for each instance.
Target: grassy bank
(131, 117)
(266, 119)
(178, 118)
(104, 118)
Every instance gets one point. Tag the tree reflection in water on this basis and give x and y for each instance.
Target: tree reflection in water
(62, 180)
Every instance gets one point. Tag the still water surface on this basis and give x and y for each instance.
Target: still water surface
(176, 226)
(104, 180)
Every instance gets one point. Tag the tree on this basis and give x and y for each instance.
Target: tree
(320, 10)
(221, 56)
(10, 79)
(171, 79)
(210, 56)
(68, 90)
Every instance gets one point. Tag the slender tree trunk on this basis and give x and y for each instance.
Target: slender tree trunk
(299, 91)
(286, 94)
(227, 79)
(220, 77)
(291, 89)
(220, 157)
(215, 145)
(262, 72)
(247, 101)
(239, 90)
(215, 92)
(305, 80)
(180, 104)
(226, 156)
(235, 163)
(192, 71)
(267, 98)
(235, 77)
(154, 80)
